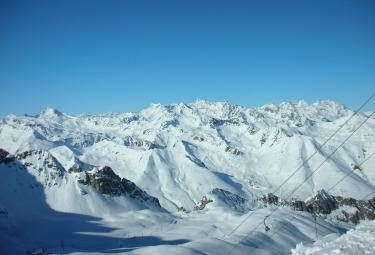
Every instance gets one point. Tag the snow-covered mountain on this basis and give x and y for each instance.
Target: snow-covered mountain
(168, 160)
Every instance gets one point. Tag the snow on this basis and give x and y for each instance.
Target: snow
(177, 153)
(356, 241)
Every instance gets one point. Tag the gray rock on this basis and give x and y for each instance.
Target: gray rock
(324, 204)
(5, 157)
(107, 182)
(202, 204)
(270, 199)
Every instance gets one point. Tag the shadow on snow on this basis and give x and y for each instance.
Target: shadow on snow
(31, 223)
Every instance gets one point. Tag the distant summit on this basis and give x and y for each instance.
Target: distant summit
(50, 112)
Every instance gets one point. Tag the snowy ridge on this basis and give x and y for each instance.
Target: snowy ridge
(181, 146)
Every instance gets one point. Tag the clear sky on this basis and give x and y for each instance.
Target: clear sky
(99, 56)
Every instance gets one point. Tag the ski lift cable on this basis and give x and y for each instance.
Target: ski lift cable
(338, 182)
(324, 143)
(312, 173)
(305, 161)
(325, 160)
(347, 174)
(363, 198)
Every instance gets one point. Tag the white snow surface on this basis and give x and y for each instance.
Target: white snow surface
(356, 241)
(177, 153)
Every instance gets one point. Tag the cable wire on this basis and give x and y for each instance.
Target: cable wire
(337, 183)
(304, 162)
(313, 172)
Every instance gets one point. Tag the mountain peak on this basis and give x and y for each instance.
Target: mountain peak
(329, 104)
(206, 103)
(51, 112)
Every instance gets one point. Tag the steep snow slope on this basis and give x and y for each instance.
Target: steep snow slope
(180, 152)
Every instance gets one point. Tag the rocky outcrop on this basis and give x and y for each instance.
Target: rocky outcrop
(215, 123)
(143, 144)
(42, 162)
(270, 199)
(223, 198)
(234, 151)
(3, 154)
(182, 209)
(202, 203)
(230, 200)
(229, 196)
(5, 157)
(49, 170)
(107, 182)
(348, 210)
(298, 205)
(49, 161)
(321, 203)
(363, 209)
(198, 138)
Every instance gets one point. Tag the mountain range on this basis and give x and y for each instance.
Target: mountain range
(176, 178)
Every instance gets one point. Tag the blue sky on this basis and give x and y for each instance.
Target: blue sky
(98, 56)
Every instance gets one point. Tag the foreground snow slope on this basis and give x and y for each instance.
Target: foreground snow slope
(357, 241)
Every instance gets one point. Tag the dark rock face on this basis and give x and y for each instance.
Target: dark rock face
(352, 210)
(54, 170)
(198, 138)
(271, 199)
(356, 167)
(365, 209)
(234, 201)
(321, 203)
(47, 166)
(75, 169)
(25, 154)
(324, 203)
(298, 205)
(229, 196)
(182, 209)
(202, 204)
(219, 122)
(5, 157)
(3, 154)
(234, 151)
(264, 138)
(107, 182)
(49, 160)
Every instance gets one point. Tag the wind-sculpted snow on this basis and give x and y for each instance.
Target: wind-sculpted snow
(177, 155)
